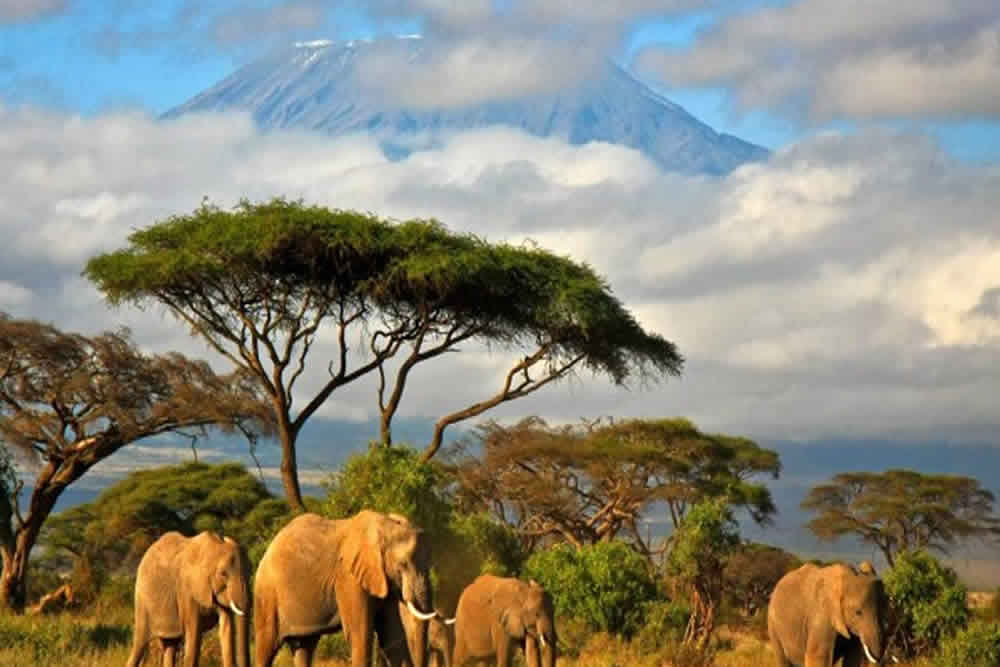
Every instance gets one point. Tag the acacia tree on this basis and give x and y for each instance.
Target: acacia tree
(69, 401)
(263, 282)
(595, 481)
(902, 510)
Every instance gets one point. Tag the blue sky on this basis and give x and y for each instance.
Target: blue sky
(90, 58)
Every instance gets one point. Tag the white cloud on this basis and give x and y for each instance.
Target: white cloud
(850, 59)
(846, 287)
(477, 51)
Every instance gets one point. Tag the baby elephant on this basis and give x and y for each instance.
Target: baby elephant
(496, 614)
(819, 615)
(184, 586)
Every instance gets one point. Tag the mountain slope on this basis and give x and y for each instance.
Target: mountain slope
(317, 86)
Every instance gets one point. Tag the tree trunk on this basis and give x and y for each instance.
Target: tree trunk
(290, 468)
(14, 580)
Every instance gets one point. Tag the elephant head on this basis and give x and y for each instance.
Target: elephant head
(857, 605)
(229, 577)
(533, 617)
(389, 555)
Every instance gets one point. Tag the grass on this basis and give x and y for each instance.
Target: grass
(103, 636)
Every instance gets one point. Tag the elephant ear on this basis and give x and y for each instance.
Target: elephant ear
(835, 584)
(512, 622)
(361, 551)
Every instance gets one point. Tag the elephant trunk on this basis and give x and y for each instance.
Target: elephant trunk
(239, 605)
(546, 643)
(242, 627)
(871, 644)
(417, 598)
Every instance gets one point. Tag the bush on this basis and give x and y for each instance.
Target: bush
(665, 621)
(607, 585)
(976, 646)
(928, 603)
(391, 479)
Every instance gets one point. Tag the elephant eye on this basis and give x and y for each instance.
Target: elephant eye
(857, 613)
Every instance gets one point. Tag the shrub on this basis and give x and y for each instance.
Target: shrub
(607, 585)
(390, 479)
(664, 622)
(928, 603)
(978, 645)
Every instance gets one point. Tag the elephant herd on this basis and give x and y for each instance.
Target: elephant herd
(366, 575)
(369, 575)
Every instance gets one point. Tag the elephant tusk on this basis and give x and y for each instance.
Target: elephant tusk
(894, 658)
(236, 610)
(868, 653)
(450, 621)
(419, 614)
(541, 638)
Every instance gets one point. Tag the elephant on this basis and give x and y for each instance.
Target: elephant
(364, 574)
(496, 613)
(184, 586)
(819, 615)
(440, 641)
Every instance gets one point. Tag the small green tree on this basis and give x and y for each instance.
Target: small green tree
(699, 550)
(390, 480)
(927, 602)
(607, 585)
(262, 283)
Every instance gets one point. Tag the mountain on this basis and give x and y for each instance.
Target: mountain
(317, 86)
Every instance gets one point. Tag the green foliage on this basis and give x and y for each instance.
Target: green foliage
(699, 549)
(927, 601)
(390, 479)
(977, 645)
(703, 542)
(116, 529)
(664, 624)
(606, 585)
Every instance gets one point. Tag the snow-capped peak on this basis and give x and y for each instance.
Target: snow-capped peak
(314, 44)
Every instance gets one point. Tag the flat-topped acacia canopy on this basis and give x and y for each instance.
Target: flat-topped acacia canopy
(258, 282)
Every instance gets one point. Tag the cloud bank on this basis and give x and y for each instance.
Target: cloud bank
(850, 59)
(847, 287)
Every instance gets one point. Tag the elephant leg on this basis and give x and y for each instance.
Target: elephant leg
(505, 652)
(169, 653)
(532, 653)
(265, 637)
(781, 660)
(226, 639)
(192, 641)
(818, 653)
(140, 641)
(303, 651)
(358, 623)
